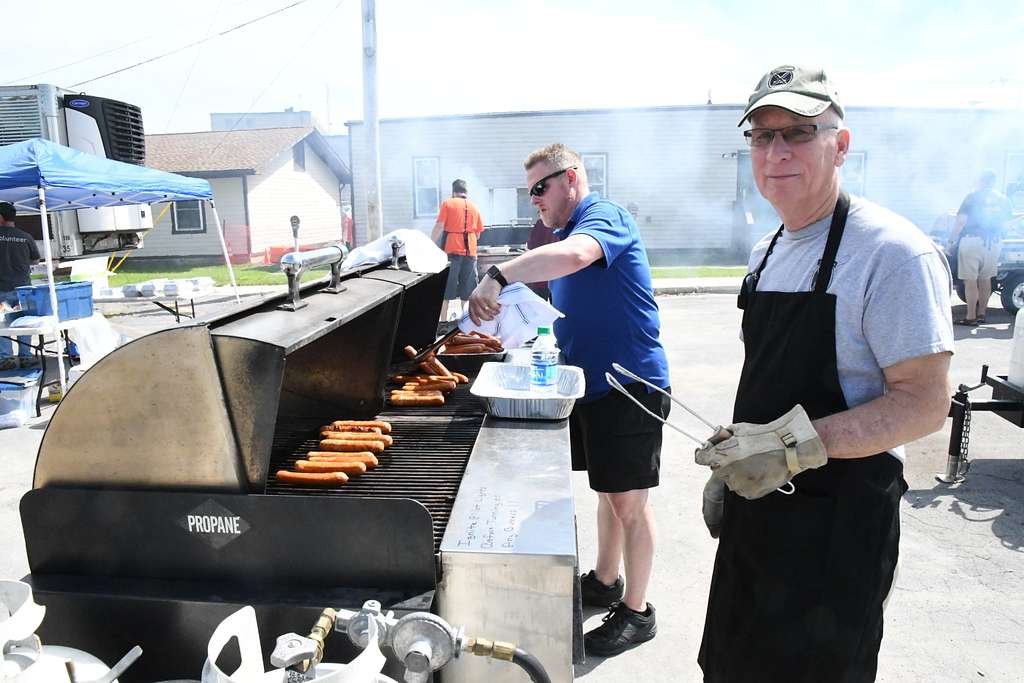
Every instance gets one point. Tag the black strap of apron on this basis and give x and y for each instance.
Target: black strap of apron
(828, 258)
(465, 224)
(835, 235)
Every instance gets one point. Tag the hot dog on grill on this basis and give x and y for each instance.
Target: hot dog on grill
(356, 436)
(467, 348)
(464, 339)
(412, 399)
(365, 457)
(312, 478)
(346, 466)
(351, 428)
(384, 427)
(351, 446)
(429, 386)
(417, 392)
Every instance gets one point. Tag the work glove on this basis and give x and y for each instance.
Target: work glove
(757, 459)
(713, 505)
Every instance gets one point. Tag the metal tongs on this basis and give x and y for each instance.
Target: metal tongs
(421, 355)
(720, 433)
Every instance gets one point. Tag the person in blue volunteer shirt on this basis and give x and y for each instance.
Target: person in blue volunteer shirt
(601, 280)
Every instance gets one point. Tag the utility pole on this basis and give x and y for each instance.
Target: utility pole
(371, 123)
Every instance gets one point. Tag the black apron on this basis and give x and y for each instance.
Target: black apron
(799, 580)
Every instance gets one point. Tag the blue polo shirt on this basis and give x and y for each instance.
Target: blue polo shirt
(609, 307)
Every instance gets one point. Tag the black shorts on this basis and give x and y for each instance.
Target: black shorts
(617, 443)
(461, 277)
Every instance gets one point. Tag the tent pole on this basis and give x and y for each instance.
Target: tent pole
(48, 253)
(224, 248)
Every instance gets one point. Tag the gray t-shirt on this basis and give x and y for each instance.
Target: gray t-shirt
(892, 288)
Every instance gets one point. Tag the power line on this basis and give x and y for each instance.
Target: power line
(190, 45)
(23, 79)
(188, 76)
(320, 25)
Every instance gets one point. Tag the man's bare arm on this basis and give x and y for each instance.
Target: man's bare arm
(555, 260)
(915, 405)
(436, 231)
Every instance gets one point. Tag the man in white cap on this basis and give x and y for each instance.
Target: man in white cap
(847, 339)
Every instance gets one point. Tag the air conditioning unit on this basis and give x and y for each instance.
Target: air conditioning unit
(97, 125)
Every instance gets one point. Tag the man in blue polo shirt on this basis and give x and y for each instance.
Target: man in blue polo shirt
(601, 280)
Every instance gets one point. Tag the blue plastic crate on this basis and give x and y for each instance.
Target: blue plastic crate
(74, 300)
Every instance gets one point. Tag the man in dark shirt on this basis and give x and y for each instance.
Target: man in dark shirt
(980, 223)
(18, 252)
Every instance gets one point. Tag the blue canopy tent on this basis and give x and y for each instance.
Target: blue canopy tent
(38, 176)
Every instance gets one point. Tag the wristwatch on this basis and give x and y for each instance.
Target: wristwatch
(495, 274)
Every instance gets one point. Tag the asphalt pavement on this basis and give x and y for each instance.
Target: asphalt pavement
(957, 611)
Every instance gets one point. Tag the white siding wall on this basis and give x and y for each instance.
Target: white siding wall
(160, 241)
(281, 192)
(669, 163)
(921, 163)
(678, 165)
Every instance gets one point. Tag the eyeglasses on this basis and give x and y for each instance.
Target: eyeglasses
(541, 186)
(793, 135)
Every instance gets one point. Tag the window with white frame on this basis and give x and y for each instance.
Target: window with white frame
(525, 210)
(188, 217)
(596, 166)
(426, 173)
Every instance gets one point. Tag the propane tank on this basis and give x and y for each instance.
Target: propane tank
(1016, 376)
(24, 659)
(242, 626)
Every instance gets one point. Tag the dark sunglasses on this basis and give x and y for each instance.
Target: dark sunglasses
(541, 186)
(793, 135)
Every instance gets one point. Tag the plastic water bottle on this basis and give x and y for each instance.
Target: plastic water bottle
(1016, 375)
(544, 362)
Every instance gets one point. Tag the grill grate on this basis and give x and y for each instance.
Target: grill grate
(426, 461)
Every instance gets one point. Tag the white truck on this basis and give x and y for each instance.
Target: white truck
(100, 126)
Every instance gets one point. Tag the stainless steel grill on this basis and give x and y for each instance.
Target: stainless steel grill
(425, 463)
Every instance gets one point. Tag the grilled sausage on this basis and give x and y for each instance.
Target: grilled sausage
(399, 399)
(462, 379)
(384, 427)
(420, 378)
(464, 339)
(417, 392)
(448, 385)
(441, 369)
(351, 446)
(460, 339)
(312, 478)
(467, 348)
(410, 351)
(363, 429)
(357, 436)
(365, 457)
(484, 335)
(346, 466)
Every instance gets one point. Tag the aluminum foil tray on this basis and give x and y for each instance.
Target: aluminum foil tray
(505, 391)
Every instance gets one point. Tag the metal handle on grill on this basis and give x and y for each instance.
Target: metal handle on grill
(297, 262)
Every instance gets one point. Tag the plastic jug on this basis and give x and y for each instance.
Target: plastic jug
(1016, 376)
(544, 362)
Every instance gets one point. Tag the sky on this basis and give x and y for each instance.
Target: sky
(470, 56)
